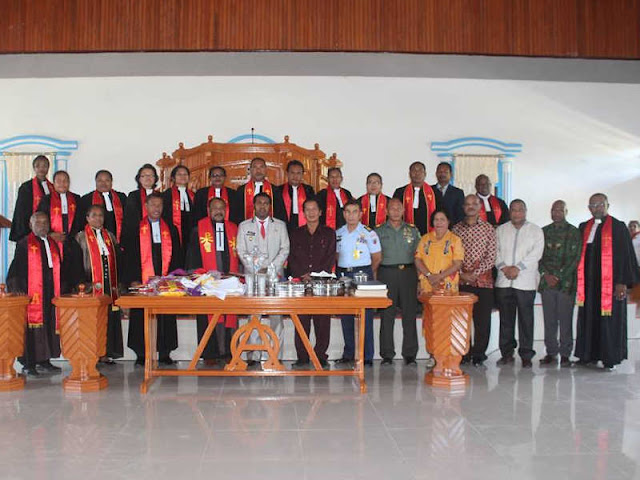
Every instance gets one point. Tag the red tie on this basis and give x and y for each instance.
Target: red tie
(263, 232)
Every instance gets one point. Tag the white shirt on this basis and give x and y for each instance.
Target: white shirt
(48, 250)
(258, 188)
(336, 191)
(63, 202)
(155, 231)
(416, 197)
(217, 193)
(101, 245)
(45, 187)
(372, 203)
(520, 247)
(442, 189)
(294, 207)
(485, 200)
(594, 229)
(149, 191)
(220, 237)
(636, 246)
(107, 202)
(266, 226)
(184, 199)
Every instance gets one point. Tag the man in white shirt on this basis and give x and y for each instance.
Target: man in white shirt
(290, 196)
(520, 248)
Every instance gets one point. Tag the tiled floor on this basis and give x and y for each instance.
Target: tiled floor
(510, 424)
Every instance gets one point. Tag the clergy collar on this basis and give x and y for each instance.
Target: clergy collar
(148, 191)
(154, 221)
(484, 197)
(257, 220)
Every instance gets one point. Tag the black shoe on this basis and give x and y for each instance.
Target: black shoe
(323, 363)
(410, 361)
(565, 362)
(300, 363)
(526, 363)
(139, 362)
(47, 367)
(107, 361)
(478, 362)
(368, 363)
(549, 361)
(387, 361)
(30, 372)
(505, 361)
(252, 363)
(343, 360)
(465, 359)
(166, 360)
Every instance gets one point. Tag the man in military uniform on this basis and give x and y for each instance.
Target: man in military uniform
(358, 249)
(398, 240)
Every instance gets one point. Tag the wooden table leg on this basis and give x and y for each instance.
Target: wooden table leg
(305, 340)
(205, 339)
(150, 346)
(362, 321)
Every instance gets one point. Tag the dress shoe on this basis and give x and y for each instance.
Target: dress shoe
(387, 361)
(47, 366)
(166, 360)
(465, 359)
(410, 361)
(30, 372)
(343, 360)
(139, 362)
(300, 363)
(549, 361)
(478, 362)
(106, 361)
(368, 363)
(431, 362)
(526, 363)
(505, 361)
(252, 363)
(565, 362)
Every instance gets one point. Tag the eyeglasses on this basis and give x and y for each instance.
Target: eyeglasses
(597, 205)
(217, 175)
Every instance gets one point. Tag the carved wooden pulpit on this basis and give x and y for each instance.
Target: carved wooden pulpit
(447, 330)
(236, 157)
(13, 319)
(83, 338)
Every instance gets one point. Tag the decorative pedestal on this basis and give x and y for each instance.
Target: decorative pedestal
(13, 313)
(83, 338)
(447, 329)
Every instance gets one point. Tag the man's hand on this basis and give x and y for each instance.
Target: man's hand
(511, 272)
(58, 236)
(306, 277)
(551, 280)
(468, 277)
(435, 279)
(621, 291)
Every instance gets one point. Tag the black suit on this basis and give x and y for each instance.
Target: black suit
(453, 202)
(420, 216)
(279, 208)
(322, 200)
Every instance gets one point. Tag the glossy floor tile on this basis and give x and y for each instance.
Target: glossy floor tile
(544, 423)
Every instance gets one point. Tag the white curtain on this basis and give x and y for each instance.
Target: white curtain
(468, 167)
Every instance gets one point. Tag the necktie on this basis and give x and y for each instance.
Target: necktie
(263, 232)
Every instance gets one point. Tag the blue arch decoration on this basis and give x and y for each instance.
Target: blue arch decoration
(63, 150)
(248, 136)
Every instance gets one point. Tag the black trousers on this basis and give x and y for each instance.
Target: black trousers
(512, 301)
(402, 288)
(167, 335)
(321, 329)
(219, 344)
(481, 321)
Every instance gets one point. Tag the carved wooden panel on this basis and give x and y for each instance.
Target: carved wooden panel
(13, 313)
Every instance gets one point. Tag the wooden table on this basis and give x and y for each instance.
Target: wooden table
(253, 307)
(13, 321)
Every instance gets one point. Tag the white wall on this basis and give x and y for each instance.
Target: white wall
(578, 137)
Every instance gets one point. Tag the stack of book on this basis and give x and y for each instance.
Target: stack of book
(372, 288)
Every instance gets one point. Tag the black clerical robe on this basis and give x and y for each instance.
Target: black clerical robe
(280, 207)
(420, 217)
(322, 200)
(43, 343)
(202, 203)
(167, 339)
(23, 210)
(109, 218)
(187, 220)
(604, 337)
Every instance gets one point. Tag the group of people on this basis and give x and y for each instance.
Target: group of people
(423, 238)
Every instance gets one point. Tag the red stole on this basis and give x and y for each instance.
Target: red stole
(38, 192)
(429, 197)
(606, 258)
(207, 241)
(302, 196)
(381, 210)
(249, 193)
(96, 262)
(146, 255)
(98, 199)
(332, 206)
(495, 208)
(176, 213)
(35, 313)
(55, 211)
(224, 195)
(143, 202)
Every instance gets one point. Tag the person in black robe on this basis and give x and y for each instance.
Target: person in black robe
(180, 192)
(219, 345)
(167, 339)
(25, 207)
(602, 336)
(422, 214)
(487, 200)
(41, 343)
(334, 176)
(104, 187)
(95, 220)
(258, 183)
(369, 202)
(216, 188)
(147, 181)
(286, 206)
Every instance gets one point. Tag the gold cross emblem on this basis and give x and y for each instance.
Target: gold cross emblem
(206, 242)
